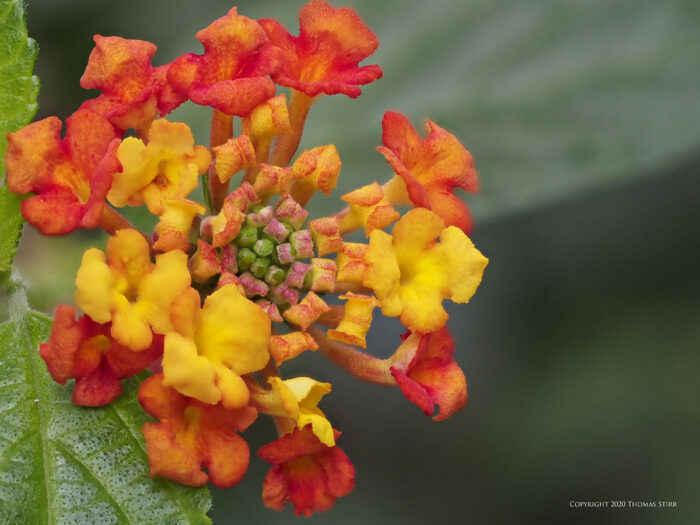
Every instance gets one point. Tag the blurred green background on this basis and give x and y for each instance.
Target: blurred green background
(581, 346)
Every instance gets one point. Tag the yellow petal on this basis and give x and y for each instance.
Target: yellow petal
(159, 289)
(129, 327)
(134, 176)
(95, 286)
(414, 234)
(233, 331)
(466, 264)
(128, 254)
(234, 392)
(187, 372)
(383, 274)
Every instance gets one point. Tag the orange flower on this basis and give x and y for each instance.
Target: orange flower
(231, 74)
(84, 350)
(432, 377)
(70, 177)
(428, 169)
(324, 57)
(133, 91)
(192, 435)
(307, 473)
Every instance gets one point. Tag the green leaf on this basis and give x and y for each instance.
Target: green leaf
(60, 463)
(10, 227)
(18, 92)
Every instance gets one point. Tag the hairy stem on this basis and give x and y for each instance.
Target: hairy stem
(286, 145)
(221, 131)
(353, 361)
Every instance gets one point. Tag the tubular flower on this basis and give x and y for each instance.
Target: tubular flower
(288, 346)
(70, 177)
(84, 350)
(305, 472)
(316, 169)
(129, 290)
(231, 74)
(297, 400)
(324, 232)
(356, 321)
(233, 156)
(411, 273)
(307, 311)
(351, 262)
(133, 91)
(432, 377)
(368, 209)
(192, 435)
(265, 122)
(324, 57)
(165, 168)
(225, 339)
(428, 169)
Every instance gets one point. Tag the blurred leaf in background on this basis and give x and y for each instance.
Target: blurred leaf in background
(580, 347)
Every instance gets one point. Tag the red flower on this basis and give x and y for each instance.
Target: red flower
(192, 435)
(324, 57)
(70, 177)
(433, 377)
(431, 168)
(231, 74)
(133, 91)
(84, 350)
(306, 473)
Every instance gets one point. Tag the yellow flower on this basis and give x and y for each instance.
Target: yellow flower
(223, 340)
(165, 168)
(299, 398)
(126, 288)
(411, 273)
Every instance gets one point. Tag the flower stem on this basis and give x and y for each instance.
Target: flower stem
(221, 131)
(355, 362)
(286, 145)
(112, 221)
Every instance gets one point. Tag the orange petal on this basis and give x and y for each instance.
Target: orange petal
(288, 346)
(325, 57)
(325, 233)
(70, 177)
(231, 74)
(307, 311)
(356, 321)
(431, 167)
(305, 472)
(192, 435)
(131, 87)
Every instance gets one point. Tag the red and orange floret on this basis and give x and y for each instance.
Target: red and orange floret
(221, 295)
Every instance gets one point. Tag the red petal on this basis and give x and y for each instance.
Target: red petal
(59, 351)
(97, 388)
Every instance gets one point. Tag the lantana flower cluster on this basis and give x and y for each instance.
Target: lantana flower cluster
(221, 294)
